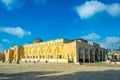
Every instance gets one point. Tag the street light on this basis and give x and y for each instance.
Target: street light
(113, 48)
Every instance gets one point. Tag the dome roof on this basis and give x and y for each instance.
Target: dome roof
(37, 40)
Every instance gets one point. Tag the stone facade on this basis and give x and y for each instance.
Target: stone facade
(14, 53)
(59, 50)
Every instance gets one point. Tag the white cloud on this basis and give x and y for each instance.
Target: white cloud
(1, 45)
(11, 4)
(114, 39)
(110, 42)
(15, 4)
(6, 40)
(113, 9)
(105, 45)
(107, 42)
(90, 8)
(92, 36)
(18, 31)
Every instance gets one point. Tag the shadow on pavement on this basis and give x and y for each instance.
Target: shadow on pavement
(99, 75)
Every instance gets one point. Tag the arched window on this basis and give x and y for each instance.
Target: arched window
(41, 50)
(51, 56)
(60, 56)
(49, 51)
(58, 50)
(43, 57)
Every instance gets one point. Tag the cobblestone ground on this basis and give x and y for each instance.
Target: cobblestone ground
(59, 71)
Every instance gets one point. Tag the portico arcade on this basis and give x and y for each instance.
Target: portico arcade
(90, 54)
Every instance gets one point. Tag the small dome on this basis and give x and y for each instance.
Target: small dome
(37, 40)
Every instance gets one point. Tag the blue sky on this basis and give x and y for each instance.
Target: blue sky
(21, 21)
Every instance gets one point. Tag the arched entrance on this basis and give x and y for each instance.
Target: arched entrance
(101, 56)
(80, 55)
(96, 54)
(91, 55)
(86, 55)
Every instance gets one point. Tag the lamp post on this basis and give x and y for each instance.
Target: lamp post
(112, 48)
(113, 51)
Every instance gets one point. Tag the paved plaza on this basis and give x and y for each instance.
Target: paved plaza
(59, 71)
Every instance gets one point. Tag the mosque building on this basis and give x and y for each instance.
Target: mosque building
(59, 50)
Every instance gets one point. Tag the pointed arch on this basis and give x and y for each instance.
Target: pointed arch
(49, 52)
(41, 52)
(56, 52)
(80, 54)
(96, 54)
(86, 55)
(101, 56)
(91, 55)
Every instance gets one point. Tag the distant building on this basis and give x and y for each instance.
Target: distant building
(114, 54)
(59, 50)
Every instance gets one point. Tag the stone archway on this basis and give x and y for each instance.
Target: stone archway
(101, 56)
(86, 55)
(91, 55)
(80, 55)
(96, 54)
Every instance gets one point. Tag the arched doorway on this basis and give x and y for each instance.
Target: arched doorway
(91, 55)
(96, 54)
(101, 56)
(80, 55)
(86, 55)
